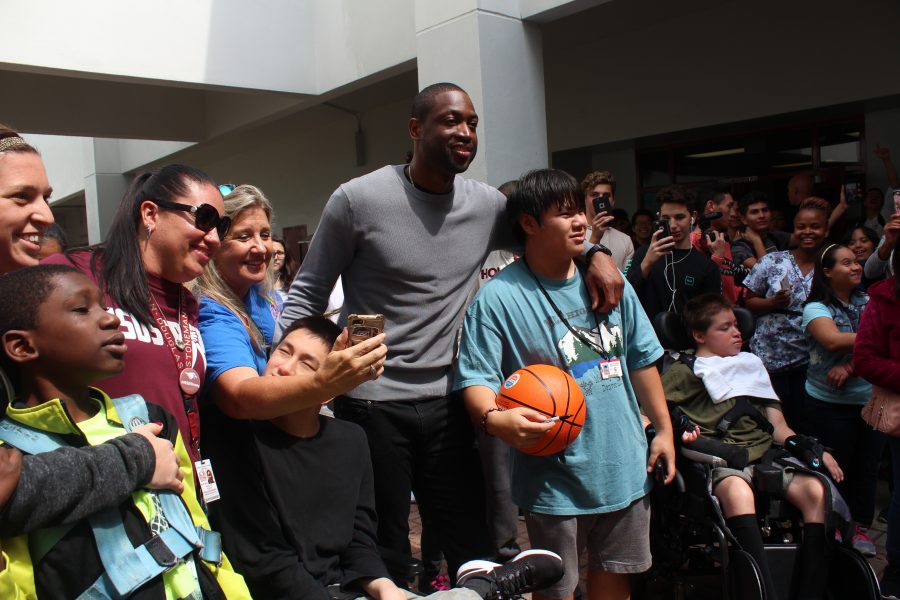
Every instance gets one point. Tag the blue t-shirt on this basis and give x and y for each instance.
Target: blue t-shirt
(778, 339)
(510, 324)
(821, 361)
(226, 339)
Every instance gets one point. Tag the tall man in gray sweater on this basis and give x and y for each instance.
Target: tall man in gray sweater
(408, 242)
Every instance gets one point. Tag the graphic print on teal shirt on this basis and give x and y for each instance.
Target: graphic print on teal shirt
(580, 357)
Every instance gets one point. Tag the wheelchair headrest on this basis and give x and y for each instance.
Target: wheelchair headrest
(673, 334)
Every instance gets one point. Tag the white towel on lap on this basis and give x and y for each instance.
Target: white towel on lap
(730, 376)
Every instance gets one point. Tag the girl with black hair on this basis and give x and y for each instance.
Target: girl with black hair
(862, 241)
(835, 394)
(165, 232)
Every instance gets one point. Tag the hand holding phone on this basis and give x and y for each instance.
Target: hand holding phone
(664, 225)
(602, 203)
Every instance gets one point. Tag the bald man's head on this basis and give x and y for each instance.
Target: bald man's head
(800, 187)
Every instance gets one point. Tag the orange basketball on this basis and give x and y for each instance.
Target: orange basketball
(553, 392)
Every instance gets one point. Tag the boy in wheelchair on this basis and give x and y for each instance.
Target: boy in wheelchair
(728, 395)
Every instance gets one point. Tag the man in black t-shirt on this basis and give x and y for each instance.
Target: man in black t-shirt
(668, 272)
(298, 503)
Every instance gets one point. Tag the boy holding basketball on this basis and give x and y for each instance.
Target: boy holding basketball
(593, 494)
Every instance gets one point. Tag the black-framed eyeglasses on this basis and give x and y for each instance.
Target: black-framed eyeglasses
(205, 216)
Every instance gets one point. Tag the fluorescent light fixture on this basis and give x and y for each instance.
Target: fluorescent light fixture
(716, 153)
(792, 165)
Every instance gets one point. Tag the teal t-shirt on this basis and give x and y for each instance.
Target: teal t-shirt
(510, 324)
(821, 361)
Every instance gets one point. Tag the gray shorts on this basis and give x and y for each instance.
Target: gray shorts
(616, 542)
(720, 473)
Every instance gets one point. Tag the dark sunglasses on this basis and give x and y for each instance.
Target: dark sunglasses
(205, 216)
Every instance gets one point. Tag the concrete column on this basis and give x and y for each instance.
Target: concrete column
(485, 48)
(104, 185)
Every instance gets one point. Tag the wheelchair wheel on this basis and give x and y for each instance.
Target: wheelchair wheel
(744, 581)
(851, 576)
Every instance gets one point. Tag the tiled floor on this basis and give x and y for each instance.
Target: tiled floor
(878, 532)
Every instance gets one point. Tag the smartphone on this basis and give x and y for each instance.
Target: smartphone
(852, 193)
(785, 283)
(897, 202)
(602, 204)
(363, 327)
(664, 225)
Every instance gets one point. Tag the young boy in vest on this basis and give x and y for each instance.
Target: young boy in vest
(593, 494)
(726, 385)
(57, 339)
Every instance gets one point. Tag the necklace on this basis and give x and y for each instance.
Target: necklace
(409, 175)
(598, 348)
(189, 380)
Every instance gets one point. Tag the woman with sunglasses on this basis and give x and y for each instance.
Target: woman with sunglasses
(163, 235)
(237, 320)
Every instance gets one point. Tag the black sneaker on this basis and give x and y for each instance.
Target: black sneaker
(530, 571)
(890, 583)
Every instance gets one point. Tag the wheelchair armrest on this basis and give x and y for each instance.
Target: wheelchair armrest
(715, 452)
(701, 457)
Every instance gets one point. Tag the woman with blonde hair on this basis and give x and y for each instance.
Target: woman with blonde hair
(237, 323)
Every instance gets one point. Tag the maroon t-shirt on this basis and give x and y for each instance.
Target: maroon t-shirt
(150, 368)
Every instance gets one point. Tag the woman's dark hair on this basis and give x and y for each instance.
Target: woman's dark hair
(537, 191)
(816, 203)
(288, 267)
(820, 290)
(122, 274)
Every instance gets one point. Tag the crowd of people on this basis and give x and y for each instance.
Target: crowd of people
(165, 435)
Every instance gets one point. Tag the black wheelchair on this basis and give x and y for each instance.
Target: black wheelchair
(694, 554)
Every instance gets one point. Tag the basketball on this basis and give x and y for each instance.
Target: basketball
(550, 391)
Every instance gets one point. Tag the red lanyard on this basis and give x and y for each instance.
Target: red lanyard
(188, 378)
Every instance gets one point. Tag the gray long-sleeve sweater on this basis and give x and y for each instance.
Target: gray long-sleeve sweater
(67, 485)
(410, 255)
